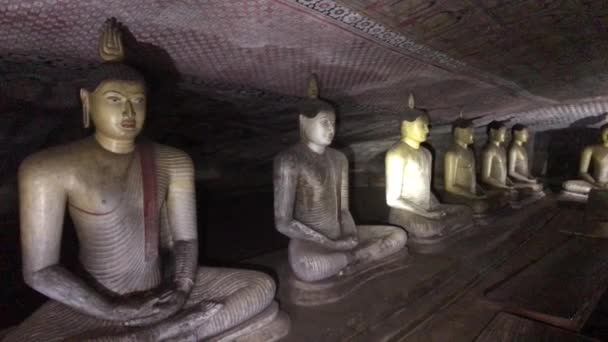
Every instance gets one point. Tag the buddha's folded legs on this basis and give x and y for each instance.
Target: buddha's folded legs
(533, 187)
(241, 293)
(578, 186)
(312, 262)
(378, 242)
(479, 206)
(420, 227)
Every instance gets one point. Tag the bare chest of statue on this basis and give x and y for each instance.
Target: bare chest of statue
(465, 167)
(318, 198)
(416, 174)
(498, 163)
(106, 204)
(521, 160)
(599, 164)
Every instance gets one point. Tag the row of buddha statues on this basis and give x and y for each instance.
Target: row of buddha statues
(132, 203)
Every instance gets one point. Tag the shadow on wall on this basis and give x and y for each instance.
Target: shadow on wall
(561, 150)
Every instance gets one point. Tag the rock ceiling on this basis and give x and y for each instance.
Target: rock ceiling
(227, 73)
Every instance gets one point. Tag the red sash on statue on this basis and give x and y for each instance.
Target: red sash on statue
(151, 219)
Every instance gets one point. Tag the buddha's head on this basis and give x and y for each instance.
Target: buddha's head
(417, 129)
(114, 97)
(604, 134)
(317, 122)
(115, 101)
(520, 133)
(414, 122)
(463, 131)
(317, 118)
(497, 131)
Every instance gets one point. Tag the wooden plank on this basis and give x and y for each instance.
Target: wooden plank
(562, 288)
(595, 223)
(506, 328)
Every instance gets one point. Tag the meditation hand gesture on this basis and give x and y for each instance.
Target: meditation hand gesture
(347, 243)
(110, 42)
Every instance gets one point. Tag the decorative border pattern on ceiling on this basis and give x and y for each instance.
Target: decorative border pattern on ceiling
(363, 25)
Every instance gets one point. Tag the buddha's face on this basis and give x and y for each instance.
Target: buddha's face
(498, 135)
(522, 135)
(417, 130)
(319, 130)
(464, 135)
(117, 108)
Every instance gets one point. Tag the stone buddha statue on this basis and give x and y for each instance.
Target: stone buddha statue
(494, 162)
(311, 202)
(412, 204)
(460, 181)
(133, 208)
(518, 162)
(593, 171)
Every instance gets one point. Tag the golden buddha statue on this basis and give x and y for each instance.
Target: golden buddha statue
(412, 204)
(311, 203)
(518, 164)
(134, 211)
(593, 171)
(460, 181)
(494, 162)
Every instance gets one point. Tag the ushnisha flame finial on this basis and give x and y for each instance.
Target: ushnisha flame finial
(110, 42)
(411, 101)
(313, 87)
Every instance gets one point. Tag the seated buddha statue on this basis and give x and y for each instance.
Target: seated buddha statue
(133, 207)
(593, 171)
(518, 163)
(311, 202)
(494, 163)
(460, 181)
(412, 204)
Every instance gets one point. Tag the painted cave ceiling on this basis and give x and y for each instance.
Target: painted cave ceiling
(227, 73)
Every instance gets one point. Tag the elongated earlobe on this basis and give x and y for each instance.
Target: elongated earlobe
(86, 115)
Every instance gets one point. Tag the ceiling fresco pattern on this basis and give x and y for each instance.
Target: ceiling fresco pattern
(226, 74)
(552, 48)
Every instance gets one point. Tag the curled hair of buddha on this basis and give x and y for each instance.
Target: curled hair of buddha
(518, 127)
(409, 112)
(313, 105)
(495, 125)
(462, 124)
(112, 71)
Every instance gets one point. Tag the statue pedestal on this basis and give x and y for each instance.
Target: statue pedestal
(269, 325)
(569, 196)
(339, 286)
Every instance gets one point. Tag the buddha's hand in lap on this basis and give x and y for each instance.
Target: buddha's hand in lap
(159, 306)
(345, 244)
(434, 214)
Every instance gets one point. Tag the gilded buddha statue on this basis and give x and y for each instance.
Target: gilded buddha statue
(413, 205)
(311, 202)
(133, 207)
(519, 164)
(494, 162)
(460, 180)
(593, 171)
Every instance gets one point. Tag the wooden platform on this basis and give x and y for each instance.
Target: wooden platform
(507, 328)
(563, 287)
